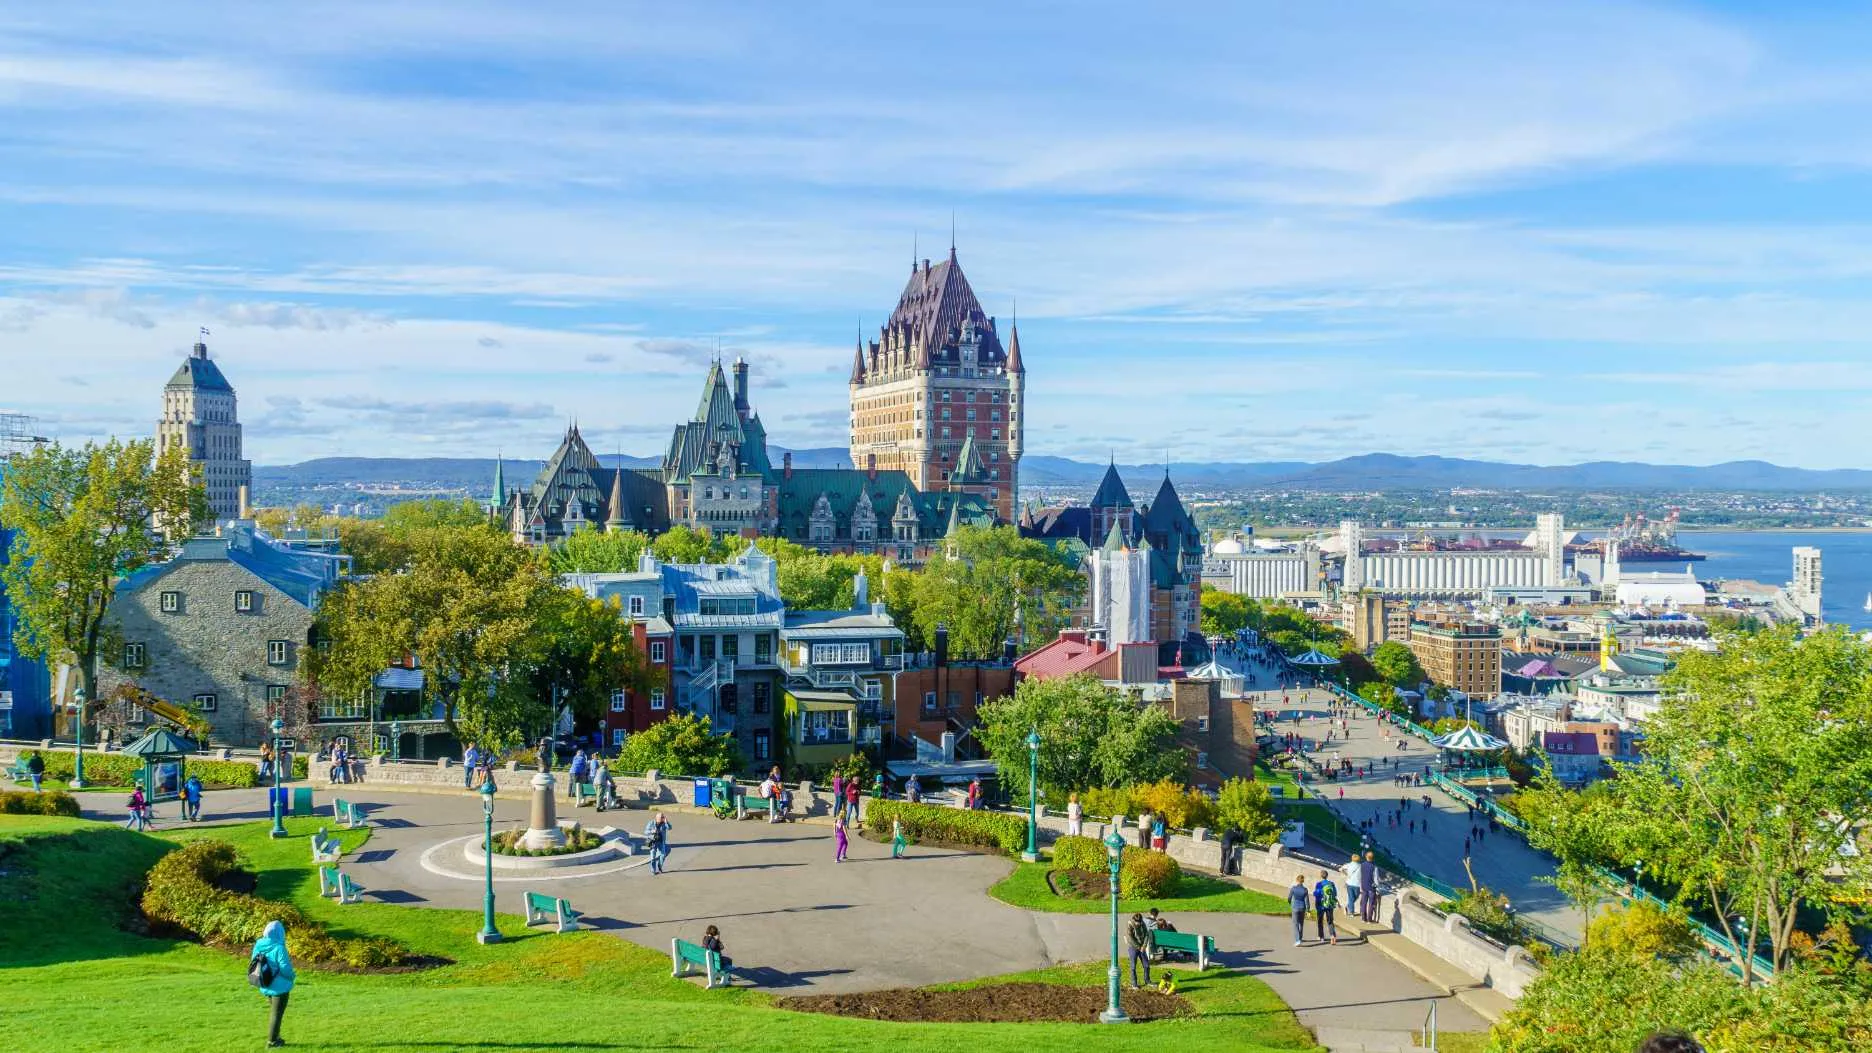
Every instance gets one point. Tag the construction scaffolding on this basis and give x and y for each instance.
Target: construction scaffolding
(18, 435)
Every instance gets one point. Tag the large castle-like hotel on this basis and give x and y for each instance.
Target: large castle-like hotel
(936, 424)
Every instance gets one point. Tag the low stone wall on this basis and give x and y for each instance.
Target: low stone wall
(1450, 938)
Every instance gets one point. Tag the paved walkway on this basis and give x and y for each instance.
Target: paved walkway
(795, 920)
(1501, 860)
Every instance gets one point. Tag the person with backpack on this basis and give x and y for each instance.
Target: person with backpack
(1137, 945)
(139, 810)
(191, 799)
(270, 969)
(1325, 900)
(35, 767)
(576, 776)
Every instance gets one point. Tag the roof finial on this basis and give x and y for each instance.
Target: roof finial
(913, 251)
(952, 234)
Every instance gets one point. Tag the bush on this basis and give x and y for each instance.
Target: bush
(1147, 875)
(578, 839)
(28, 803)
(929, 822)
(1079, 853)
(1182, 807)
(101, 769)
(238, 775)
(1488, 913)
(1246, 805)
(182, 892)
(1106, 801)
(1643, 930)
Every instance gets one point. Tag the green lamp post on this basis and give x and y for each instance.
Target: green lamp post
(488, 933)
(396, 741)
(1032, 855)
(77, 780)
(279, 802)
(1114, 1013)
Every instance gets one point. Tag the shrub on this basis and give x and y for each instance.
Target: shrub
(101, 769)
(1147, 875)
(238, 775)
(577, 839)
(182, 892)
(1488, 913)
(1106, 801)
(1246, 805)
(27, 803)
(1643, 930)
(928, 822)
(1079, 853)
(1182, 807)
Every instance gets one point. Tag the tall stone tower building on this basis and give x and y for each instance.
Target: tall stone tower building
(198, 415)
(938, 395)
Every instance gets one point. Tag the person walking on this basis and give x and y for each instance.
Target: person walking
(603, 786)
(1137, 943)
(35, 767)
(1325, 900)
(270, 969)
(266, 762)
(844, 842)
(838, 796)
(1075, 816)
(1353, 883)
(471, 759)
(659, 842)
(913, 790)
(898, 841)
(191, 799)
(851, 800)
(139, 811)
(1298, 900)
(1368, 886)
(974, 794)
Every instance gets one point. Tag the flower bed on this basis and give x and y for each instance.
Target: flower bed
(577, 839)
(927, 823)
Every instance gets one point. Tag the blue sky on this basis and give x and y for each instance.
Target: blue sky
(1532, 232)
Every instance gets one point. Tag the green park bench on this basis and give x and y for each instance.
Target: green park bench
(351, 815)
(542, 909)
(328, 882)
(19, 772)
(683, 955)
(326, 849)
(349, 891)
(584, 791)
(302, 800)
(1187, 942)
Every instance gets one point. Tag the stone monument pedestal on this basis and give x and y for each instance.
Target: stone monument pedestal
(542, 821)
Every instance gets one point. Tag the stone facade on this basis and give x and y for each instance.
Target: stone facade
(220, 627)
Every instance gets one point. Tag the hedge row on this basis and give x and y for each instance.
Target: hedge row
(928, 822)
(182, 892)
(115, 769)
(1141, 874)
(28, 803)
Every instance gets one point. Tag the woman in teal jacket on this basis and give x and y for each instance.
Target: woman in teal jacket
(272, 946)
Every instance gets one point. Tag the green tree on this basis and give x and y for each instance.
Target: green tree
(590, 651)
(683, 745)
(1643, 930)
(468, 604)
(1356, 670)
(1579, 829)
(1090, 735)
(598, 552)
(983, 576)
(84, 518)
(1754, 778)
(1247, 806)
(1225, 613)
(686, 544)
(1385, 697)
(1396, 664)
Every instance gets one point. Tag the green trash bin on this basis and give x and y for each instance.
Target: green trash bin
(302, 800)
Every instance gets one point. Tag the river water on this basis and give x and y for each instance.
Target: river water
(1767, 556)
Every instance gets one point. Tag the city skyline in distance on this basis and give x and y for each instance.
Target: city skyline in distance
(1613, 231)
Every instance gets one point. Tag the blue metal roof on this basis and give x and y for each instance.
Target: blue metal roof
(303, 576)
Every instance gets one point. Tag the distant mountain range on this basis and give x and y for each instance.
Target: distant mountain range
(1377, 471)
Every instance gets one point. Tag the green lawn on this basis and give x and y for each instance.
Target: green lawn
(1027, 887)
(75, 980)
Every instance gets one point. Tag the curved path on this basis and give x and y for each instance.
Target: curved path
(793, 919)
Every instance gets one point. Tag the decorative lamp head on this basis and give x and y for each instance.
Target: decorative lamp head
(487, 796)
(1033, 741)
(278, 726)
(1114, 843)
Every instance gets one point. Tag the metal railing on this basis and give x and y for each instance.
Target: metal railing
(1426, 1036)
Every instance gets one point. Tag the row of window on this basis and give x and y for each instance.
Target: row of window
(209, 702)
(136, 655)
(619, 702)
(246, 601)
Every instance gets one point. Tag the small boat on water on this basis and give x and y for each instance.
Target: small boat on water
(1868, 603)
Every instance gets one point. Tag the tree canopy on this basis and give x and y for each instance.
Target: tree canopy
(682, 745)
(598, 552)
(84, 518)
(1091, 736)
(981, 579)
(1225, 613)
(1397, 665)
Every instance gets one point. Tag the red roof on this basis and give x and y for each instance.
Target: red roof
(1577, 743)
(1069, 654)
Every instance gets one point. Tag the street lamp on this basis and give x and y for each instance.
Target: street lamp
(279, 803)
(1114, 1013)
(488, 933)
(77, 780)
(396, 741)
(1032, 855)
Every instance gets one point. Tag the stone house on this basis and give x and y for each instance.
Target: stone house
(221, 627)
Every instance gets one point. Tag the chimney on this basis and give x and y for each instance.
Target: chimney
(740, 387)
(1008, 651)
(245, 512)
(871, 466)
(942, 645)
(786, 464)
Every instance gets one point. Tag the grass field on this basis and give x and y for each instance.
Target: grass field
(75, 979)
(1027, 887)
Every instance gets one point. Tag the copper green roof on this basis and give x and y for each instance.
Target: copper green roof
(1111, 490)
(198, 372)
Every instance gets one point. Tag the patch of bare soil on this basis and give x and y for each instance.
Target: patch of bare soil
(1079, 884)
(993, 1004)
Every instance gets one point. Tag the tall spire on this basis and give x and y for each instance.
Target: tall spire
(858, 365)
(1013, 357)
(500, 485)
(617, 521)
